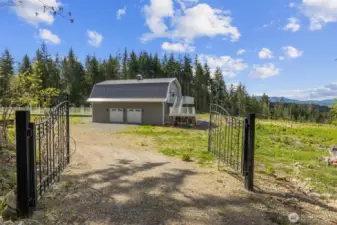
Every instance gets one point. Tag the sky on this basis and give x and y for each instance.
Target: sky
(279, 47)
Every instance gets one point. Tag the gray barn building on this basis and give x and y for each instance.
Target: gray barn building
(139, 101)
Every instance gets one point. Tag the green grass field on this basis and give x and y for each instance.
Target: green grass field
(296, 151)
(290, 151)
(184, 143)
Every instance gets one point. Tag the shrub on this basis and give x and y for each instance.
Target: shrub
(186, 157)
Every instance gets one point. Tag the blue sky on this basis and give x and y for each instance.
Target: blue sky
(280, 47)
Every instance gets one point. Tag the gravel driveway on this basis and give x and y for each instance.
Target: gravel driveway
(114, 180)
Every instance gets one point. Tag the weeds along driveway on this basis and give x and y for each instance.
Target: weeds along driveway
(118, 178)
(112, 180)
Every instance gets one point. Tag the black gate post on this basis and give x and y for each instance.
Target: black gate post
(210, 128)
(22, 162)
(67, 127)
(249, 178)
(32, 164)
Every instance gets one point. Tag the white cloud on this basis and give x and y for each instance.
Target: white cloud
(281, 58)
(241, 52)
(95, 39)
(120, 13)
(203, 20)
(328, 91)
(49, 37)
(291, 52)
(185, 3)
(197, 21)
(293, 25)
(319, 12)
(229, 66)
(264, 71)
(292, 5)
(177, 47)
(155, 14)
(32, 11)
(265, 53)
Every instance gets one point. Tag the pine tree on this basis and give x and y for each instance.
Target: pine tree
(156, 70)
(218, 88)
(206, 88)
(25, 65)
(125, 65)
(199, 78)
(74, 75)
(6, 71)
(133, 67)
(186, 78)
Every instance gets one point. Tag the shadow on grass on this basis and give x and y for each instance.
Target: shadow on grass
(294, 193)
(118, 195)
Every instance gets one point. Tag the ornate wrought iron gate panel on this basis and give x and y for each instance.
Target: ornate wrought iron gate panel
(42, 152)
(231, 139)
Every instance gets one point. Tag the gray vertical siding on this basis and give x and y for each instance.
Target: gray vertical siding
(152, 113)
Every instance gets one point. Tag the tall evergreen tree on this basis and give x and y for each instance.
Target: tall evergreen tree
(125, 65)
(25, 65)
(199, 78)
(186, 78)
(156, 69)
(6, 71)
(133, 67)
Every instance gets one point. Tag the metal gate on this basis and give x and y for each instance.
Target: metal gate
(232, 139)
(42, 151)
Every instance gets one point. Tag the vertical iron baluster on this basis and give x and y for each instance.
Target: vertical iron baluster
(225, 140)
(48, 159)
(210, 129)
(53, 146)
(63, 137)
(238, 146)
(220, 138)
(58, 142)
(40, 159)
(216, 133)
(227, 145)
(219, 134)
(231, 137)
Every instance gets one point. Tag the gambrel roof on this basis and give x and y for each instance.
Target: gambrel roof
(144, 90)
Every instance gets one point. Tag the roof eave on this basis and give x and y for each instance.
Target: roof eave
(126, 100)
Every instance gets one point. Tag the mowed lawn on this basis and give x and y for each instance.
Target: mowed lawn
(289, 151)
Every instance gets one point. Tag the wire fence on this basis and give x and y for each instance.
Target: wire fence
(37, 110)
(290, 122)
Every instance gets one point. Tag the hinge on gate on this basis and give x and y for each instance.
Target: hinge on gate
(30, 132)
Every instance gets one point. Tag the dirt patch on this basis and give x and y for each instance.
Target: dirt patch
(114, 179)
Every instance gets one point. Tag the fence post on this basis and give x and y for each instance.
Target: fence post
(67, 127)
(22, 162)
(249, 178)
(210, 128)
(32, 164)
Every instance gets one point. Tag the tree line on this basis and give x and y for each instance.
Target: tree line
(32, 81)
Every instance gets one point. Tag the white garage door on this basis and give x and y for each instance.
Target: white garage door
(134, 115)
(116, 115)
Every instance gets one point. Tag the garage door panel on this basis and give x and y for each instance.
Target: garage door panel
(134, 116)
(116, 115)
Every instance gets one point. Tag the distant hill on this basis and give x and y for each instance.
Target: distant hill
(326, 102)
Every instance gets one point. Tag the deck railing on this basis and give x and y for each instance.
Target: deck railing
(182, 111)
(185, 100)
